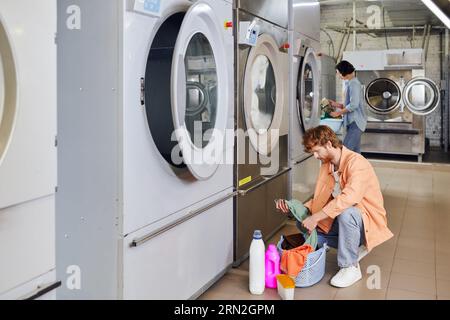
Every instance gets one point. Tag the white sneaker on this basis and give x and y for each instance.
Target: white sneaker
(362, 253)
(346, 277)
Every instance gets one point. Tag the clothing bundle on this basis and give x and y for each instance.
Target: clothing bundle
(325, 108)
(296, 248)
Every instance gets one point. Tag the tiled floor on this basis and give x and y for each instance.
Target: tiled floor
(415, 264)
(432, 155)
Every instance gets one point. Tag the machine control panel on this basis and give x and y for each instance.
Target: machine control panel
(148, 7)
(248, 33)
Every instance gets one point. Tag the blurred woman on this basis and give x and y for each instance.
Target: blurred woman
(352, 111)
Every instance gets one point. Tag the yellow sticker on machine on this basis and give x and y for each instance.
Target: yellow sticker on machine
(245, 181)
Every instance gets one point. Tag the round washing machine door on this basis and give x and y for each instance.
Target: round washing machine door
(421, 96)
(383, 96)
(200, 91)
(308, 91)
(263, 95)
(8, 91)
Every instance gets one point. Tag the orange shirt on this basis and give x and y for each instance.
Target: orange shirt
(361, 188)
(293, 261)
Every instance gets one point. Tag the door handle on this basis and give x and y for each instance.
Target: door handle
(302, 160)
(40, 291)
(139, 241)
(265, 181)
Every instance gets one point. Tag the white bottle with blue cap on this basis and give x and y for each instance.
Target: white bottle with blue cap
(257, 264)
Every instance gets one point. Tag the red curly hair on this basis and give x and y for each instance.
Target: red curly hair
(320, 136)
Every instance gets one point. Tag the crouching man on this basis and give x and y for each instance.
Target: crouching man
(347, 208)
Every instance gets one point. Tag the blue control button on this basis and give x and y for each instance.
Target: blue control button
(253, 37)
(152, 5)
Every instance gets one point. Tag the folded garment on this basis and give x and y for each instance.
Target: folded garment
(293, 261)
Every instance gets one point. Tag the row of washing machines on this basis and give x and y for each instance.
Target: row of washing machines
(102, 104)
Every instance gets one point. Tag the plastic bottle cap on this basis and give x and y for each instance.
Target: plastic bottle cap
(273, 248)
(257, 235)
(285, 281)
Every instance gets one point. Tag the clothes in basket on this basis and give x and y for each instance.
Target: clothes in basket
(313, 269)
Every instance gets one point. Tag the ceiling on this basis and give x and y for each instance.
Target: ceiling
(399, 12)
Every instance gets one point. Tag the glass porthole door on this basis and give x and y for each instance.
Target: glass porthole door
(308, 91)
(8, 91)
(263, 95)
(383, 96)
(421, 96)
(199, 91)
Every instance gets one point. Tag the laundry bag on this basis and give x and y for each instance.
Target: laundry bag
(314, 269)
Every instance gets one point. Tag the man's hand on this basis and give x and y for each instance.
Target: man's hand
(310, 223)
(282, 206)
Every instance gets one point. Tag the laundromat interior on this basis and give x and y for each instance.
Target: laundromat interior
(157, 149)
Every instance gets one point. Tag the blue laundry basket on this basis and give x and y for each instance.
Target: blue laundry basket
(314, 269)
(335, 124)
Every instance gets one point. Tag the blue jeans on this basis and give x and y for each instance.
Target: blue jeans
(352, 139)
(346, 235)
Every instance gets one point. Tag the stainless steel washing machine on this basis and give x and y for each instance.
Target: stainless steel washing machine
(305, 93)
(398, 97)
(261, 170)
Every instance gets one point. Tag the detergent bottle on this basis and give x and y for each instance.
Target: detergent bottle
(272, 267)
(257, 269)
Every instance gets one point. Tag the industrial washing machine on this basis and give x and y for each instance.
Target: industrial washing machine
(261, 169)
(398, 96)
(305, 93)
(27, 149)
(145, 185)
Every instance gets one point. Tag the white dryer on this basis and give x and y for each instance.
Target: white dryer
(144, 210)
(305, 92)
(27, 146)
